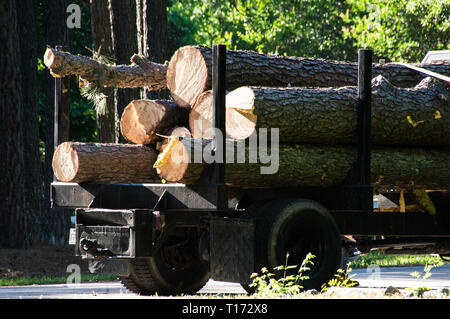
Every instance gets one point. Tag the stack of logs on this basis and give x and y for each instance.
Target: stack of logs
(311, 101)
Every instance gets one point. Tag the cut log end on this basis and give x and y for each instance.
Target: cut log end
(140, 119)
(187, 75)
(65, 163)
(49, 58)
(240, 121)
(173, 160)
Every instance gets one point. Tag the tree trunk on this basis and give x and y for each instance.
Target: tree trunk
(306, 165)
(123, 27)
(189, 72)
(144, 74)
(143, 119)
(152, 37)
(102, 43)
(55, 223)
(104, 163)
(400, 116)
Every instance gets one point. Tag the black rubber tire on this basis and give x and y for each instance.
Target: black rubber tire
(159, 275)
(297, 226)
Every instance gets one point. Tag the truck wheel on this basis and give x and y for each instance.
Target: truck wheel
(175, 269)
(298, 227)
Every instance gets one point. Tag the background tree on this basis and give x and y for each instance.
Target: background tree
(124, 41)
(102, 45)
(398, 30)
(20, 195)
(152, 36)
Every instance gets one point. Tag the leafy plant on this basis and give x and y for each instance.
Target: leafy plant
(341, 279)
(267, 285)
(419, 291)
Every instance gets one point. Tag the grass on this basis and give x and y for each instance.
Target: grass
(375, 257)
(22, 281)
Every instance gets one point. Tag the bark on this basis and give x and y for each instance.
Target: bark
(400, 116)
(308, 166)
(102, 44)
(144, 74)
(104, 163)
(12, 194)
(33, 196)
(123, 28)
(55, 223)
(143, 119)
(189, 72)
(152, 37)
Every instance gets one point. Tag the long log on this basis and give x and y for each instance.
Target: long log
(104, 163)
(190, 70)
(400, 116)
(141, 73)
(307, 166)
(142, 120)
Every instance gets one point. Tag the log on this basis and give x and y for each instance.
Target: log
(400, 116)
(104, 163)
(190, 69)
(142, 119)
(141, 73)
(308, 166)
(173, 161)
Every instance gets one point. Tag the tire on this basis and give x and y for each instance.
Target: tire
(176, 268)
(299, 227)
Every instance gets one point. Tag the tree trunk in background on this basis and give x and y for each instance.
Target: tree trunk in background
(124, 41)
(27, 28)
(55, 222)
(102, 43)
(152, 37)
(20, 186)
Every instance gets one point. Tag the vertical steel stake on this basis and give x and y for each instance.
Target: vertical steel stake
(218, 120)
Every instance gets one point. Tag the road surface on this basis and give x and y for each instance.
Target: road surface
(372, 277)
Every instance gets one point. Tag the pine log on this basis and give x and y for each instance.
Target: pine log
(308, 166)
(400, 116)
(190, 70)
(143, 119)
(141, 73)
(104, 163)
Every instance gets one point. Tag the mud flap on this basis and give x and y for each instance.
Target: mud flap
(232, 249)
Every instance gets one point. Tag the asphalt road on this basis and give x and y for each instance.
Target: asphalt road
(372, 277)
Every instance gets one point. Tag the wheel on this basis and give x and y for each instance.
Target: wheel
(298, 227)
(176, 268)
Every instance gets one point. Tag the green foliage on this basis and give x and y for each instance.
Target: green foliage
(374, 257)
(399, 30)
(267, 285)
(341, 279)
(291, 27)
(419, 291)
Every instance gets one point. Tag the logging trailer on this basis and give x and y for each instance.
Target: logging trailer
(172, 238)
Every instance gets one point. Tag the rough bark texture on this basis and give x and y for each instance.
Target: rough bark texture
(313, 165)
(143, 119)
(189, 72)
(55, 222)
(104, 163)
(124, 31)
(121, 76)
(152, 37)
(102, 44)
(400, 116)
(12, 194)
